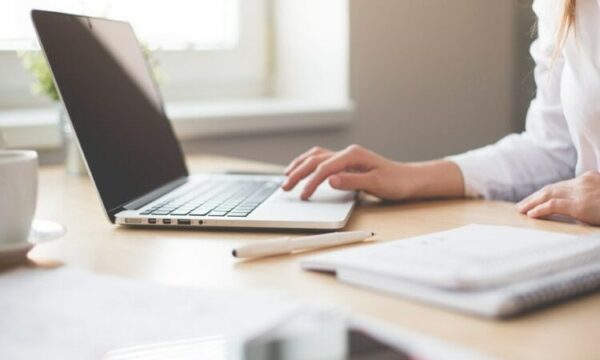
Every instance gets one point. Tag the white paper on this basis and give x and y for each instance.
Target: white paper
(69, 313)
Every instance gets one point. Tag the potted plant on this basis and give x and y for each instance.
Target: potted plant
(36, 64)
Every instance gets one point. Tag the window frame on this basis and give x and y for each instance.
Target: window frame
(231, 72)
(295, 96)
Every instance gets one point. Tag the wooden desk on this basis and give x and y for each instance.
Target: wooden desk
(203, 259)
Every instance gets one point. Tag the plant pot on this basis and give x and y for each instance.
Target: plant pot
(74, 164)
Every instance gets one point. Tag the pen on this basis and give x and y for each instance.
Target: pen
(287, 244)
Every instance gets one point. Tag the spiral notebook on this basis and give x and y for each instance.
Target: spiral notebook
(494, 271)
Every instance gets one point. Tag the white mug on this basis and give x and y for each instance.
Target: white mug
(18, 194)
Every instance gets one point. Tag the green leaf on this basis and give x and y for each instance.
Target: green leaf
(35, 62)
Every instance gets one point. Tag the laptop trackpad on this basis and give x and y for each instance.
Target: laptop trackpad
(326, 204)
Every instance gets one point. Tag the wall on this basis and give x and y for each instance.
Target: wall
(524, 86)
(429, 78)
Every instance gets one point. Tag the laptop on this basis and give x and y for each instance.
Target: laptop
(131, 151)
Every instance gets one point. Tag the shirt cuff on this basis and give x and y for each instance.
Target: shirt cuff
(474, 184)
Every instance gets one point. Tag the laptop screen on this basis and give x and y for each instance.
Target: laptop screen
(114, 105)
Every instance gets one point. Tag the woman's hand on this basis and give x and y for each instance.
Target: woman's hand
(353, 168)
(578, 198)
(356, 168)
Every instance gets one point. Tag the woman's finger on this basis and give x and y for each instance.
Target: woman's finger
(533, 200)
(350, 158)
(552, 207)
(303, 170)
(540, 197)
(317, 150)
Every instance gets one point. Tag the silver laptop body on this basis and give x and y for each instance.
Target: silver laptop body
(132, 153)
(202, 204)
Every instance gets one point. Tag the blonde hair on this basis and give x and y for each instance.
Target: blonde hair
(567, 21)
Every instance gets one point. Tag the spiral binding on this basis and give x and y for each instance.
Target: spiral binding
(561, 289)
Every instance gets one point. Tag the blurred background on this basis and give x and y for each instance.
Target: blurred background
(267, 79)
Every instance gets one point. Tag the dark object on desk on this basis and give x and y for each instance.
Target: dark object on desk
(364, 347)
(359, 346)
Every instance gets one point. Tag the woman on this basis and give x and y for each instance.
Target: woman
(552, 167)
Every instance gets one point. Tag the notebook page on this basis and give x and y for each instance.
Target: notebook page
(470, 257)
(481, 242)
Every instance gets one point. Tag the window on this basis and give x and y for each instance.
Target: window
(229, 66)
(205, 48)
(184, 24)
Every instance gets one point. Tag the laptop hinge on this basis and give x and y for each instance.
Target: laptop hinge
(155, 194)
(149, 197)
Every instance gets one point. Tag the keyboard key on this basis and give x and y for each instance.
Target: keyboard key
(217, 213)
(237, 215)
(246, 206)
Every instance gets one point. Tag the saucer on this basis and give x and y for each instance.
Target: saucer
(41, 231)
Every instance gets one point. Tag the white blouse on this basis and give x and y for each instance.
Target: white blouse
(562, 136)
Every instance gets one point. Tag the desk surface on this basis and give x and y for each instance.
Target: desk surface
(203, 259)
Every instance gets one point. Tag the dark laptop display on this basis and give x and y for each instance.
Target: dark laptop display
(114, 105)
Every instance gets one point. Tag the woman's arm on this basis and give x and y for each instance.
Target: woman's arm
(356, 168)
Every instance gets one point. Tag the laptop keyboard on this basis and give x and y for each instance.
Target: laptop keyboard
(236, 198)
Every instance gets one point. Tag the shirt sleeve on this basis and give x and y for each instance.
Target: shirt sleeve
(520, 164)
